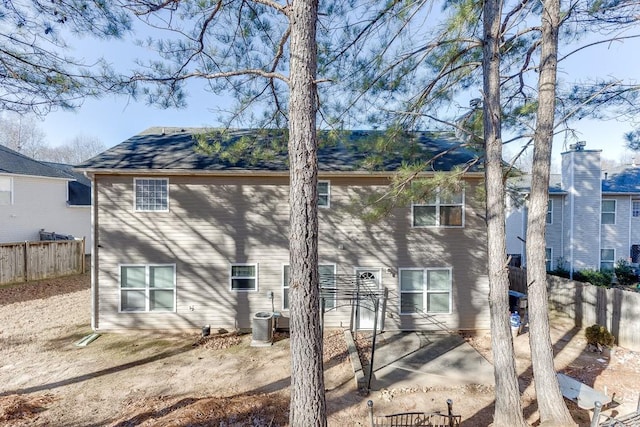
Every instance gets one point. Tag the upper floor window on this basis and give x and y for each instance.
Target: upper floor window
(327, 275)
(148, 287)
(607, 259)
(324, 190)
(550, 212)
(635, 208)
(425, 290)
(442, 209)
(6, 190)
(608, 212)
(151, 194)
(244, 277)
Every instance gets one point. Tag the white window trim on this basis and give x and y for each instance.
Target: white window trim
(424, 292)
(614, 212)
(550, 212)
(135, 180)
(613, 261)
(437, 206)
(633, 210)
(285, 286)
(146, 288)
(328, 205)
(358, 270)
(11, 190)
(231, 277)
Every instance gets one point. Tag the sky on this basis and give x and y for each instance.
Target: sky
(114, 119)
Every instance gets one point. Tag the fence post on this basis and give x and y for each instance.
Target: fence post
(82, 256)
(26, 261)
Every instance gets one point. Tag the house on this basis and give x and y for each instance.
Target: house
(184, 239)
(593, 217)
(37, 196)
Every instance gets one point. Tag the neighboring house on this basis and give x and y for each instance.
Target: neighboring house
(593, 218)
(38, 196)
(183, 239)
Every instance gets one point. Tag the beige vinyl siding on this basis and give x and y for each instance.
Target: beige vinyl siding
(393, 243)
(216, 221)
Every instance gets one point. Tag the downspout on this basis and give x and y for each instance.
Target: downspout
(629, 234)
(94, 251)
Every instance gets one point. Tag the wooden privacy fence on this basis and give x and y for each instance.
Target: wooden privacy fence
(24, 261)
(587, 304)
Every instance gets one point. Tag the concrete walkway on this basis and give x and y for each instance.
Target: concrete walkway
(422, 359)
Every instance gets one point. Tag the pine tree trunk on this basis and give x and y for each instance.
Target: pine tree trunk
(508, 407)
(551, 405)
(308, 407)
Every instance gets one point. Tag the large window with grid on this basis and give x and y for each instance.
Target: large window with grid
(548, 253)
(635, 208)
(6, 190)
(425, 290)
(442, 209)
(147, 288)
(327, 276)
(151, 194)
(608, 212)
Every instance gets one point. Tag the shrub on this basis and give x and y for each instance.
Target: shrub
(598, 335)
(597, 278)
(624, 273)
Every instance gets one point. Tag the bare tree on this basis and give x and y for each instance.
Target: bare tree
(75, 151)
(22, 134)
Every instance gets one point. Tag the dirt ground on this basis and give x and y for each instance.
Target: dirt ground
(161, 379)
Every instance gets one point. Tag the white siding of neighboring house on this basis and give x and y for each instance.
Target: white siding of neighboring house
(634, 225)
(41, 203)
(554, 235)
(616, 236)
(515, 228)
(581, 179)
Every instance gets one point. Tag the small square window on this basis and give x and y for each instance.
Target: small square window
(324, 193)
(244, 277)
(151, 194)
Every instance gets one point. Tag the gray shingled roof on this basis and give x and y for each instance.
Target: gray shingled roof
(15, 163)
(624, 181)
(522, 184)
(175, 149)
